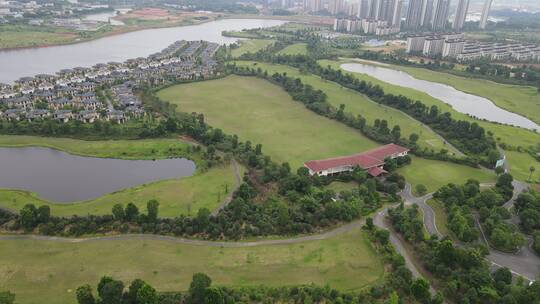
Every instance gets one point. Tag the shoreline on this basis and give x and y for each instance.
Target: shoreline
(126, 30)
(130, 29)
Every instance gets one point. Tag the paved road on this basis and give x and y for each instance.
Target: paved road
(228, 199)
(315, 237)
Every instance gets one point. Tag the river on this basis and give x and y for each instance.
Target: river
(472, 105)
(62, 177)
(48, 60)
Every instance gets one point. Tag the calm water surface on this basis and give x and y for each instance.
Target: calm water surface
(15, 64)
(62, 177)
(472, 105)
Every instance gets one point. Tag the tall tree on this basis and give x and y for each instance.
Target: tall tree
(197, 289)
(84, 295)
(152, 207)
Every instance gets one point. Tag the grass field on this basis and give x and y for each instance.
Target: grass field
(341, 186)
(503, 133)
(433, 173)
(12, 36)
(177, 196)
(250, 46)
(37, 270)
(262, 112)
(294, 49)
(124, 149)
(359, 104)
(523, 100)
(441, 220)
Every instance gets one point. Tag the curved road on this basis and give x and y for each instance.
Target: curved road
(524, 263)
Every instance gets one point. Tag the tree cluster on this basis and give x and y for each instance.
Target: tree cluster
(463, 274)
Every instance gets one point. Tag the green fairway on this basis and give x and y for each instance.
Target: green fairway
(250, 46)
(523, 100)
(37, 270)
(519, 166)
(261, 112)
(356, 103)
(177, 196)
(503, 133)
(434, 174)
(124, 149)
(294, 49)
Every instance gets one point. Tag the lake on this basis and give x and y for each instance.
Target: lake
(49, 60)
(472, 105)
(62, 177)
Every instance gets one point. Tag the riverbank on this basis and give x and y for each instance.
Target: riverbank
(75, 37)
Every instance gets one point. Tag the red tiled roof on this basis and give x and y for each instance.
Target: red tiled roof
(376, 171)
(365, 160)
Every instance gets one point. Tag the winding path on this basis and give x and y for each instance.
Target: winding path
(315, 237)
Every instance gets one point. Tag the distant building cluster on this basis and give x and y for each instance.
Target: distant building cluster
(79, 93)
(433, 45)
(453, 45)
(419, 14)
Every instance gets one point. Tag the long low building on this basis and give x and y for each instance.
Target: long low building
(372, 161)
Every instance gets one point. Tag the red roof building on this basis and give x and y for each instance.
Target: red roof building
(371, 161)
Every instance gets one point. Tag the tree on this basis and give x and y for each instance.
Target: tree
(110, 291)
(147, 295)
(396, 133)
(133, 289)
(499, 170)
(28, 217)
(369, 223)
(420, 289)
(531, 170)
(213, 296)
(152, 207)
(421, 189)
(413, 138)
(131, 212)
(118, 212)
(84, 295)
(197, 289)
(7, 297)
(503, 274)
(43, 214)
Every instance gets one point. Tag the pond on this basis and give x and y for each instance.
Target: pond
(472, 105)
(61, 177)
(118, 48)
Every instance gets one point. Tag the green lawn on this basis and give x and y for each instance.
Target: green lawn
(250, 46)
(37, 270)
(294, 49)
(523, 100)
(434, 174)
(12, 36)
(520, 164)
(503, 133)
(440, 216)
(356, 104)
(124, 149)
(262, 112)
(177, 196)
(341, 186)
(205, 189)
